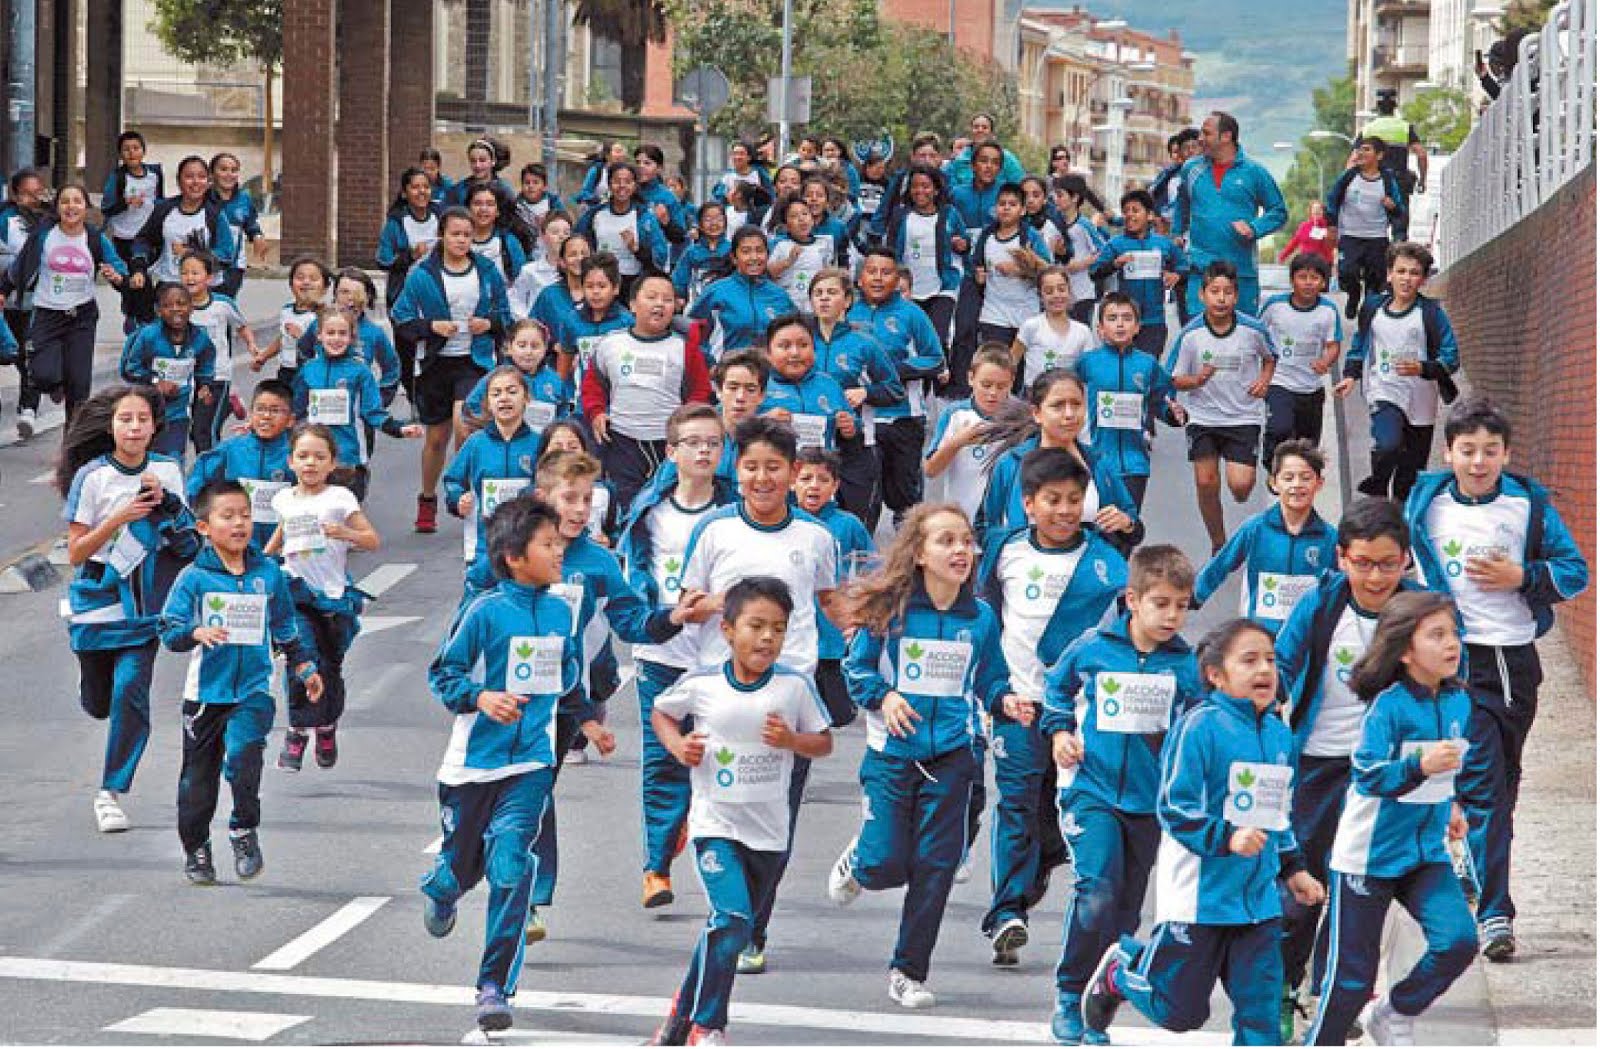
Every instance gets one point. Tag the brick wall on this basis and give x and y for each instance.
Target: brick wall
(410, 84)
(363, 147)
(1523, 308)
(308, 147)
(975, 20)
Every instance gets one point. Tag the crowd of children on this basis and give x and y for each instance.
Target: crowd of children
(678, 428)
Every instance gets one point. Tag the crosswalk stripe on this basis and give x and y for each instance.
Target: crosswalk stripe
(208, 1023)
(323, 933)
(384, 577)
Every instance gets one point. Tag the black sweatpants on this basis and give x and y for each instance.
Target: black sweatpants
(1363, 265)
(221, 739)
(900, 444)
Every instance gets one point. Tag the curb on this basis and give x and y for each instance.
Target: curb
(30, 573)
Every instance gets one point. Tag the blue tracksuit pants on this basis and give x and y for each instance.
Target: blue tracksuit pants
(1024, 843)
(914, 834)
(1170, 979)
(488, 834)
(736, 879)
(1431, 895)
(764, 905)
(1505, 697)
(222, 741)
(114, 683)
(1112, 855)
(173, 439)
(663, 781)
(1314, 814)
(544, 845)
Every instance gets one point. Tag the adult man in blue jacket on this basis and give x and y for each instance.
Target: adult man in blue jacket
(1226, 204)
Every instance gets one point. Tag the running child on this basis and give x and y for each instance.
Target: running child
(693, 271)
(410, 230)
(1222, 364)
(319, 523)
(1404, 353)
(1129, 389)
(557, 305)
(801, 395)
(1390, 847)
(755, 719)
(128, 531)
(309, 281)
(962, 446)
(510, 661)
(354, 292)
(549, 395)
(1108, 705)
(738, 308)
(543, 270)
(926, 235)
(535, 202)
(797, 253)
(258, 458)
(219, 316)
(924, 660)
(1084, 239)
(1146, 265)
(176, 358)
(1223, 805)
(497, 233)
(1048, 583)
(1364, 203)
(1051, 338)
(232, 604)
(816, 484)
(239, 211)
(1284, 549)
(1007, 259)
(624, 227)
(496, 463)
(1309, 333)
(597, 314)
(130, 195)
(190, 220)
(1495, 542)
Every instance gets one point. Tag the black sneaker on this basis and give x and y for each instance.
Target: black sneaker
(1499, 945)
(1009, 938)
(327, 748)
(247, 861)
(1101, 998)
(198, 868)
(293, 754)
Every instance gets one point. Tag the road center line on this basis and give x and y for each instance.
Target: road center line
(322, 934)
(385, 577)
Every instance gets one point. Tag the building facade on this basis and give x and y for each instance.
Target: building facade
(1457, 29)
(1388, 44)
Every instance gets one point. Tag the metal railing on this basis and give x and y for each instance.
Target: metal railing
(1534, 139)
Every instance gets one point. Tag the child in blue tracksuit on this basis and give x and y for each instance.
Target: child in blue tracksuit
(654, 542)
(336, 389)
(258, 459)
(1146, 264)
(550, 396)
(1127, 388)
(128, 533)
(176, 358)
(509, 663)
(354, 292)
(739, 307)
(761, 717)
(816, 483)
(1225, 839)
(1390, 846)
(1107, 707)
(233, 604)
(801, 392)
(1284, 549)
(1495, 541)
(923, 665)
(238, 209)
(496, 464)
(1048, 583)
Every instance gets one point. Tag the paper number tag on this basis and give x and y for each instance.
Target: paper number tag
(1276, 595)
(1258, 795)
(1119, 411)
(1143, 265)
(746, 774)
(810, 431)
(533, 665)
(330, 407)
(302, 534)
(176, 370)
(1436, 788)
(538, 415)
(243, 616)
(498, 490)
(261, 496)
(1133, 703)
(933, 668)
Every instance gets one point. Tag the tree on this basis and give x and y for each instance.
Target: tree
(633, 25)
(1333, 109)
(1442, 115)
(1528, 16)
(223, 33)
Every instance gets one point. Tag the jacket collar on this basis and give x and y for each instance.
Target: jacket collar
(965, 604)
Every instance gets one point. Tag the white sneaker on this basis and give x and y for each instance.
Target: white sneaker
(26, 418)
(108, 815)
(577, 757)
(908, 993)
(842, 885)
(964, 872)
(1388, 1027)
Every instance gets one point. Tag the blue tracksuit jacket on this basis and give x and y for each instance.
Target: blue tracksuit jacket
(855, 359)
(1399, 218)
(1443, 355)
(243, 219)
(909, 340)
(422, 301)
(372, 345)
(975, 206)
(1107, 370)
(112, 196)
(544, 386)
(394, 251)
(348, 373)
(850, 536)
(1205, 214)
(455, 193)
(1149, 292)
(487, 455)
(739, 310)
(1269, 551)
(815, 393)
(151, 343)
(1001, 511)
(686, 273)
(248, 459)
(948, 226)
(636, 546)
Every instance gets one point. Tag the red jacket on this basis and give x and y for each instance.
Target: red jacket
(1304, 241)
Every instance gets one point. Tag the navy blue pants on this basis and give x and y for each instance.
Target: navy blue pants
(1289, 415)
(488, 834)
(1112, 855)
(1431, 895)
(114, 684)
(663, 780)
(1025, 842)
(914, 834)
(764, 905)
(173, 439)
(1314, 814)
(544, 846)
(1170, 979)
(1152, 339)
(1399, 453)
(332, 633)
(736, 880)
(222, 740)
(1504, 683)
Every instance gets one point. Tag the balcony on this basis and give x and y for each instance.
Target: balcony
(1400, 8)
(1403, 60)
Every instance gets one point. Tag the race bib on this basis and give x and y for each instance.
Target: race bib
(176, 370)
(1143, 265)
(1258, 795)
(538, 415)
(1436, 788)
(1319, 233)
(746, 773)
(1276, 595)
(810, 431)
(1133, 703)
(261, 495)
(932, 668)
(243, 616)
(647, 369)
(498, 490)
(303, 535)
(533, 665)
(1389, 359)
(667, 570)
(126, 552)
(858, 564)
(1120, 411)
(329, 407)
(1223, 362)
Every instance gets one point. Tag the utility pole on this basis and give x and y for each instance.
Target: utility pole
(788, 72)
(554, 53)
(21, 117)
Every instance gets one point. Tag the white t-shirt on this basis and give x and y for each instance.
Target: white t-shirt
(107, 490)
(1237, 355)
(220, 318)
(288, 341)
(1337, 729)
(608, 230)
(424, 233)
(308, 554)
(1084, 246)
(1007, 301)
(800, 552)
(808, 261)
(967, 475)
(140, 196)
(740, 790)
(645, 381)
(1460, 531)
(1362, 214)
(922, 253)
(1033, 581)
(670, 525)
(461, 292)
(1045, 348)
(176, 228)
(66, 272)
(1302, 336)
(531, 280)
(491, 249)
(1397, 338)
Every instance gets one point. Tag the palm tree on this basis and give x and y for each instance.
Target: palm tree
(633, 24)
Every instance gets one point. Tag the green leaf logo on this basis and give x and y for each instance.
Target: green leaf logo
(1035, 573)
(216, 603)
(915, 650)
(673, 564)
(524, 650)
(1107, 400)
(1453, 547)
(1111, 686)
(1270, 582)
(1206, 357)
(1345, 656)
(1247, 779)
(724, 756)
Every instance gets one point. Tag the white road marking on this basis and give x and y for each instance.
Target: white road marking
(478, 1036)
(377, 624)
(433, 847)
(955, 1028)
(208, 1023)
(103, 909)
(44, 478)
(384, 577)
(322, 934)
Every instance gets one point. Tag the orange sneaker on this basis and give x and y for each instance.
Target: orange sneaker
(657, 890)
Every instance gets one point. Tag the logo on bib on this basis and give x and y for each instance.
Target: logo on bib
(1458, 553)
(1243, 799)
(1111, 706)
(1345, 658)
(673, 582)
(914, 664)
(1034, 591)
(724, 773)
(1106, 403)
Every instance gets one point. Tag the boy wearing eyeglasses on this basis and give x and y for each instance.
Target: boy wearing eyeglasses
(257, 458)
